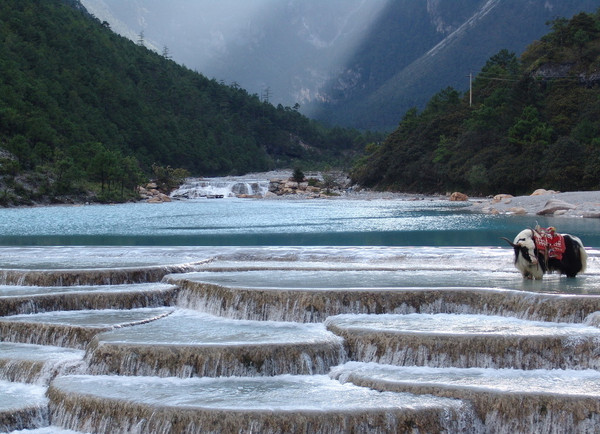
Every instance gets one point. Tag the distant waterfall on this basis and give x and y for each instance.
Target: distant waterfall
(225, 187)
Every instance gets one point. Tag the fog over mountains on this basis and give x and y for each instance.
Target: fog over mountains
(359, 63)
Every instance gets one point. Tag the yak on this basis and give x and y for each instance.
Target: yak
(543, 250)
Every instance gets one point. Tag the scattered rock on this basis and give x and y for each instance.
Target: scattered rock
(151, 195)
(458, 197)
(286, 187)
(542, 191)
(501, 197)
(517, 210)
(554, 205)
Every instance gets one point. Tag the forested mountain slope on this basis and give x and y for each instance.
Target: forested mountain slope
(80, 104)
(534, 122)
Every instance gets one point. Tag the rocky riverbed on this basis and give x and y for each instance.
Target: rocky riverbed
(543, 202)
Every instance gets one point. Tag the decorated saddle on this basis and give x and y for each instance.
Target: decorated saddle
(549, 242)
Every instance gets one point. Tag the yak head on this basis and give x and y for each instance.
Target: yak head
(524, 246)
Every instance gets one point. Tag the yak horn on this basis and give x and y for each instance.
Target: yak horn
(508, 241)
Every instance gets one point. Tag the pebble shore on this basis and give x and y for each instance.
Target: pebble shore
(542, 202)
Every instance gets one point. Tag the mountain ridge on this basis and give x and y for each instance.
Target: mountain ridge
(332, 82)
(531, 122)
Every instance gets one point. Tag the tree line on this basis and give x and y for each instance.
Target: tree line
(84, 108)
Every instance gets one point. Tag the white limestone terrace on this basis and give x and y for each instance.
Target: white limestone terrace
(285, 403)
(72, 329)
(464, 341)
(91, 265)
(481, 278)
(570, 399)
(566, 382)
(32, 291)
(101, 257)
(189, 343)
(330, 279)
(20, 299)
(549, 203)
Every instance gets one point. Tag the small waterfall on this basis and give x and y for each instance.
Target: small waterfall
(72, 329)
(250, 352)
(221, 188)
(22, 406)
(214, 361)
(38, 364)
(316, 305)
(476, 341)
(259, 405)
(108, 276)
(40, 299)
(506, 400)
(187, 344)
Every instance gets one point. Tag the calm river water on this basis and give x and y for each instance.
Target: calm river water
(251, 222)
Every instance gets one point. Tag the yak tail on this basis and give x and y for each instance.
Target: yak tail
(584, 256)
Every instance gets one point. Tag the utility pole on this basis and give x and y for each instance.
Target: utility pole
(470, 89)
(266, 94)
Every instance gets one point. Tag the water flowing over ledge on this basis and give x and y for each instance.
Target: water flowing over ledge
(73, 329)
(236, 339)
(239, 404)
(22, 406)
(443, 340)
(188, 343)
(507, 400)
(38, 364)
(16, 300)
(221, 187)
(313, 295)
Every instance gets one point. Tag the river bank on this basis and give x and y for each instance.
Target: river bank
(278, 185)
(584, 204)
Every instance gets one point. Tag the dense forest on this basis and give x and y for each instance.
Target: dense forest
(530, 122)
(82, 109)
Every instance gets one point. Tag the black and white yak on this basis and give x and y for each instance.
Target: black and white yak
(542, 251)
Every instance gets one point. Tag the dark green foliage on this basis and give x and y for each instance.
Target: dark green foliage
(88, 107)
(167, 178)
(298, 175)
(534, 122)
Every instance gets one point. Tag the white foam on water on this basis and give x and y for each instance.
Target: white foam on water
(226, 187)
(16, 396)
(460, 324)
(20, 291)
(285, 392)
(17, 351)
(185, 327)
(555, 382)
(105, 318)
(46, 430)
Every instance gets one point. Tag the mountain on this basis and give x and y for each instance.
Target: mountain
(82, 106)
(358, 63)
(533, 122)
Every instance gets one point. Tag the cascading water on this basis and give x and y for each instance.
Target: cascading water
(498, 354)
(221, 188)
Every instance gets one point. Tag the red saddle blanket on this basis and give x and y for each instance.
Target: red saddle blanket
(550, 243)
